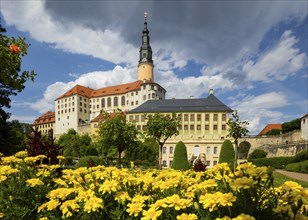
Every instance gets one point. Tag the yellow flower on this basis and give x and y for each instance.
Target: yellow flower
(10, 159)
(34, 182)
(139, 199)
(109, 186)
(60, 193)
(244, 217)
(134, 208)
(185, 216)
(43, 218)
(2, 178)
(151, 214)
(52, 204)
(30, 160)
(178, 203)
(21, 154)
(258, 172)
(293, 186)
(212, 201)
(7, 170)
(224, 218)
(60, 157)
(161, 203)
(122, 197)
(68, 206)
(93, 204)
(1, 215)
(243, 182)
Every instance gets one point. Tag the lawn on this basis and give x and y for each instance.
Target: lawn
(279, 179)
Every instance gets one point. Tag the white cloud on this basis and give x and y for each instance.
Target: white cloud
(260, 110)
(278, 63)
(23, 118)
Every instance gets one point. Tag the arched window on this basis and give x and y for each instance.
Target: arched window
(115, 101)
(123, 100)
(109, 102)
(103, 103)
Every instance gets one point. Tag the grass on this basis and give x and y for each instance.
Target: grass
(279, 179)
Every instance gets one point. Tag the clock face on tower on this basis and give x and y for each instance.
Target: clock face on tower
(144, 59)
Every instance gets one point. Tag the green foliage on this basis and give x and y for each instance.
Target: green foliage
(145, 154)
(13, 136)
(74, 144)
(180, 161)
(257, 153)
(301, 167)
(243, 149)
(274, 132)
(161, 128)
(236, 129)
(291, 125)
(90, 161)
(227, 153)
(116, 132)
(276, 162)
(91, 151)
(301, 156)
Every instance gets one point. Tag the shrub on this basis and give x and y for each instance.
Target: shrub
(227, 153)
(91, 151)
(199, 165)
(257, 153)
(180, 161)
(90, 161)
(301, 156)
(301, 167)
(276, 162)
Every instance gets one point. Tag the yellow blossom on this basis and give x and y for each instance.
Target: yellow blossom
(122, 196)
(34, 182)
(185, 216)
(43, 218)
(243, 217)
(108, 186)
(68, 206)
(52, 204)
(139, 199)
(1, 215)
(243, 182)
(93, 204)
(258, 172)
(134, 208)
(151, 214)
(2, 178)
(10, 160)
(21, 154)
(60, 157)
(30, 160)
(178, 203)
(293, 186)
(60, 193)
(212, 201)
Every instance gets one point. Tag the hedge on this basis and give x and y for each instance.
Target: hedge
(301, 156)
(276, 162)
(180, 161)
(301, 167)
(227, 153)
(89, 161)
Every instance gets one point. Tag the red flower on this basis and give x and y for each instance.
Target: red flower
(14, 49)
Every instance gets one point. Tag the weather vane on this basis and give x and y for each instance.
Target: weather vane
(145, 16)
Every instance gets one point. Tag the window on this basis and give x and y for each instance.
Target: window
(192, 117)
(170, 163)
(123, 100)
(214, 162)
(132, 94)
(80, 109)
(136, 92)
(215, 117)
(137, 118)
(136, 102)
(131, 118)
(192, 127)
(68, 117)
(208, 163)
(198, 127)
(73, 109)
(80, 103)
(180, 117)
(215, 127)
(97, 106)
(103, 103)
(207, 127)
(115, 101)
(95, 125)
(132, 103)
(144, 87)
(138, 127)
(164, 150)
(153, 95)
(223, 127)
(208, 150)
(149, 96)
(198, 117)
(185, 127)
(215, 150)
(142, 118)
(144, 97)
(185, 117)
(171, 150)
(73, 103)
(109, 102)
(152, 87)
(164, 163)
(224, 117)
(207, 117)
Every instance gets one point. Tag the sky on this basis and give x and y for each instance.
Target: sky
(253, 54)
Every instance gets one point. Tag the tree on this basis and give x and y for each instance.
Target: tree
(227, 153)
(180, 161)
(11, 80)
(116, 132)
(236, 129)
(291, 125)
(274, 132)
(161, 128)
(257, 153)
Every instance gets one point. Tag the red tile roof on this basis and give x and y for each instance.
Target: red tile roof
(269, 127)
(48, 117)
(78, 89)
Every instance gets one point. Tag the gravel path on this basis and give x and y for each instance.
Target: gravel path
(298, 176)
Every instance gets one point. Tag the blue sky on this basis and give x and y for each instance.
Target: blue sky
(252, 53)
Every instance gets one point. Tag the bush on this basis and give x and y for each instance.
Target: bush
(301, 156)
(180, 161)
(276, 162)
(91, 151)
(90, 161)
(257, 153)
(301, 167)
(227, 153)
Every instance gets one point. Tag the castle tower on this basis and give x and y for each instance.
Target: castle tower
(145, 66)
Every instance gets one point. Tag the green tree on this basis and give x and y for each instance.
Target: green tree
(12, 80)
(257, 153)
(227, 153)
(274, 132)
(291, 125)
(161, 128)
(180, 161)
(236, 129)
(116, 132)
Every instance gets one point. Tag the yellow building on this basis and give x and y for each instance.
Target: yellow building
(203, 126)
(45, 122)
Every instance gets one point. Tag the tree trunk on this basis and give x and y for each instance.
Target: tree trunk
(160, 156)
(119, 159)
(235, 156)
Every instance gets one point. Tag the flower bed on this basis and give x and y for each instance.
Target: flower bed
(32, 191)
